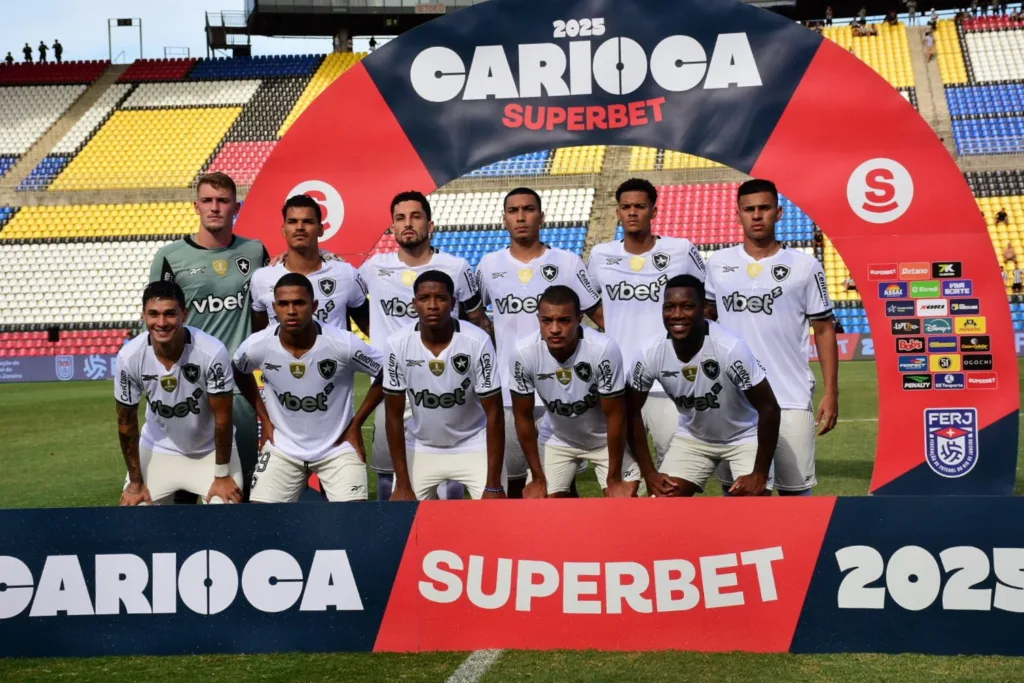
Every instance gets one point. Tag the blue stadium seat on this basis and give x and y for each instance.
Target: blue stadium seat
(43, 174)
(6, 162)
(534, 163)
(263, 66)
(1003, 135)
(986, 100)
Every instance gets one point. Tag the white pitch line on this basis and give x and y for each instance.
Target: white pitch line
(858, 419)
(475, 666)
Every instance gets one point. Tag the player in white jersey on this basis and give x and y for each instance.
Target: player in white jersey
(631, 275)
(340, 291)
(389, 279)
(511, 281)
(578, 376)
(309, 384)
(771, 297)
(447, 370)
(727, 411)
(188, 441)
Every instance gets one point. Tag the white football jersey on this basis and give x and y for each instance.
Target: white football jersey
(178, 418)
(337, 288)
(513, 289)
(632, 288)
(310, 399)
(571, 391)
(768, 304)
(443, 391)
(708, 389)
(389, 283)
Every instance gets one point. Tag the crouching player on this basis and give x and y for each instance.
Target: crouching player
(447, 369)
(188, 441)
(308, 424)
(727, 410)
(578, 377)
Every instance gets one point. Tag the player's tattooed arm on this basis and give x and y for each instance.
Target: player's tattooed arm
(128, 433)
(394, 423)
(495, 412)
(478, 316)
(224, 485)
(762, 398)
(260, 320)
(828, 355)
(526, 432)
(596, 314)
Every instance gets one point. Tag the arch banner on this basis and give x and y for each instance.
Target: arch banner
(729, 82)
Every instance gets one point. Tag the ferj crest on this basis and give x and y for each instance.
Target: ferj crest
(563, 375)
(436, 367)
(298, 370)
(220, 266)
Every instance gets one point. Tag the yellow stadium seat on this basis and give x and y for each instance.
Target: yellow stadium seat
(643, 158)
(947, 49)
(675, 161)
(334, 65)
(568, 160)
(836, 273)
(888, 53)
(148, 148)
(102, 220)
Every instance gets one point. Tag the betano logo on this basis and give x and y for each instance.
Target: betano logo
(207, 582)
(577, 587)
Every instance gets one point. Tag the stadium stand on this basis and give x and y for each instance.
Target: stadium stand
(26, 112)
(333, 66)
(567, 160)
(95, 221)
(479, 209)
(142, 70)
(56, 74)
(191, 94)
(952, 69)
(888, 53)
(6, 161)
(533, 163)
(256, 67)
(71, 342)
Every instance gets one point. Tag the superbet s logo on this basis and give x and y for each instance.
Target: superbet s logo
(331, 204)
(617, 66)
(206, 582)
(880, 190)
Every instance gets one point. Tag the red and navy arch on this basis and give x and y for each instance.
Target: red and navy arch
(817, 118)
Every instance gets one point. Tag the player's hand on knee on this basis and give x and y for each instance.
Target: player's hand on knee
(135, 494)
(620, 489)
(662, 485)
(538, 488)
(226, 489)
(749, 485)
(403, 493)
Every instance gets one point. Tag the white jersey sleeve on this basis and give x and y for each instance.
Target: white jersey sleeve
(709, 280)
(259, 287)
(127, 381)
(610, 380)
(249, 355)
(219, 378)
(394, 379)
(642, 375)
(467, 290)
(817, 301)
(357, 294)
(365, 358)
(588, 293)
(523, 374)
(485, 370)
(743, 370)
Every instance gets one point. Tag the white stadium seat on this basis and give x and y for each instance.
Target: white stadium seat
(26, 112)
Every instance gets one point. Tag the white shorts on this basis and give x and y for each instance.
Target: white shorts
(165, 473)
(561, 463)
(427, 470)
(661, 417)
(380, 452)
(515, 459)
(695, 461)
(280, 478)
(793, 464)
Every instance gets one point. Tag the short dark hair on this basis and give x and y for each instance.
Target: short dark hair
(756, 185)
(522, 190)
(559, 295)
(686, 281)
(163, 289)
(303, 201)
(295, 280)
(411, 196)
(637, 185)
(434, 276)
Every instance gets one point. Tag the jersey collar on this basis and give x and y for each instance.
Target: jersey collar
(192, 243)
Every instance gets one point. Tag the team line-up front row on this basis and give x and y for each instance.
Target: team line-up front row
(575, 396)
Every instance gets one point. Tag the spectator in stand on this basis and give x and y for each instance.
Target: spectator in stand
(912, 12)
(891, 19)
(9, 59)
(851, 286)
(1018, 280)
(27, 51)
(1001, 217)
(862, 16)
(828, 15)
(872, 30)
(42, 52)
(929, 45)
(856, 30)
(373, 43)
(1009, 255)
(58, 51)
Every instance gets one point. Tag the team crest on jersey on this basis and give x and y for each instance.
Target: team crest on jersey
(436, 367)
(243, 264)
(636, 263)
(298, 370)
(190, 371)
(710, 368)
(460, 362)
(220, 266)
(780, 272)
(754, 269)
(525, 275)
(169, 383)
(584, 371)
(327, 286)
(408, 277)
(660, 260)
(549, 271)
(564, 376)
(690, 372)
(327, 368)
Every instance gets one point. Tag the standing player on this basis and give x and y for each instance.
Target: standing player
(577, 375)
(339, 291)
(213, 268)
(727, 411)
(447, 369)
(308, 424)
(187, 442)
(771, 297)
(631, 275)
(512, 280)
(389, 279)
